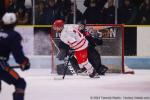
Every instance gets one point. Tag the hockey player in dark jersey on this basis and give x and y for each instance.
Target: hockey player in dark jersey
(10, 43)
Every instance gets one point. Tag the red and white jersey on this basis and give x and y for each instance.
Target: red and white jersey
(73, 37)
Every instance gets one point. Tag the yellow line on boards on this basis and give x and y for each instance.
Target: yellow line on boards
(51, 25)
(34, 25)
(136, 25)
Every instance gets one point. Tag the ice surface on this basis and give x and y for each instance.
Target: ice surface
(43, 86)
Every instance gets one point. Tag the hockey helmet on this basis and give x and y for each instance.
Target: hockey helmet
(58, 24)
(9, 18)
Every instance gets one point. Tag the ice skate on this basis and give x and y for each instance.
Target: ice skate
(82, 70)
(94, 74)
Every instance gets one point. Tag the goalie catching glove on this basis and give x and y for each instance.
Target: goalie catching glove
(25, 65)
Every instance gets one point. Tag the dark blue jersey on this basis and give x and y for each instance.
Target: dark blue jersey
(10, 42)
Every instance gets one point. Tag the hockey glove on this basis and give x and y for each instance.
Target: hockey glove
(25, 65)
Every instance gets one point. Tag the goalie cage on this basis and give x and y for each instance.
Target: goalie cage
(111, 51)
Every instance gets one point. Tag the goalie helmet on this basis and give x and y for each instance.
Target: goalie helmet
(58, 25)
(9, 18)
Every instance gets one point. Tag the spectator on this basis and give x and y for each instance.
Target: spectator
(64, 5)
(109, 13)
(70, 15)
(51, 13)
(11, 6)
(20, 3)
(92, 13)
(39, 8)
(2, 7)
(144, 12)
(137, 3)
(127, 13)
(100, 3)
(22, 15)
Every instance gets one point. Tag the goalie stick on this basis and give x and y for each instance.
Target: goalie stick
(67, 66)
(65, 69)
